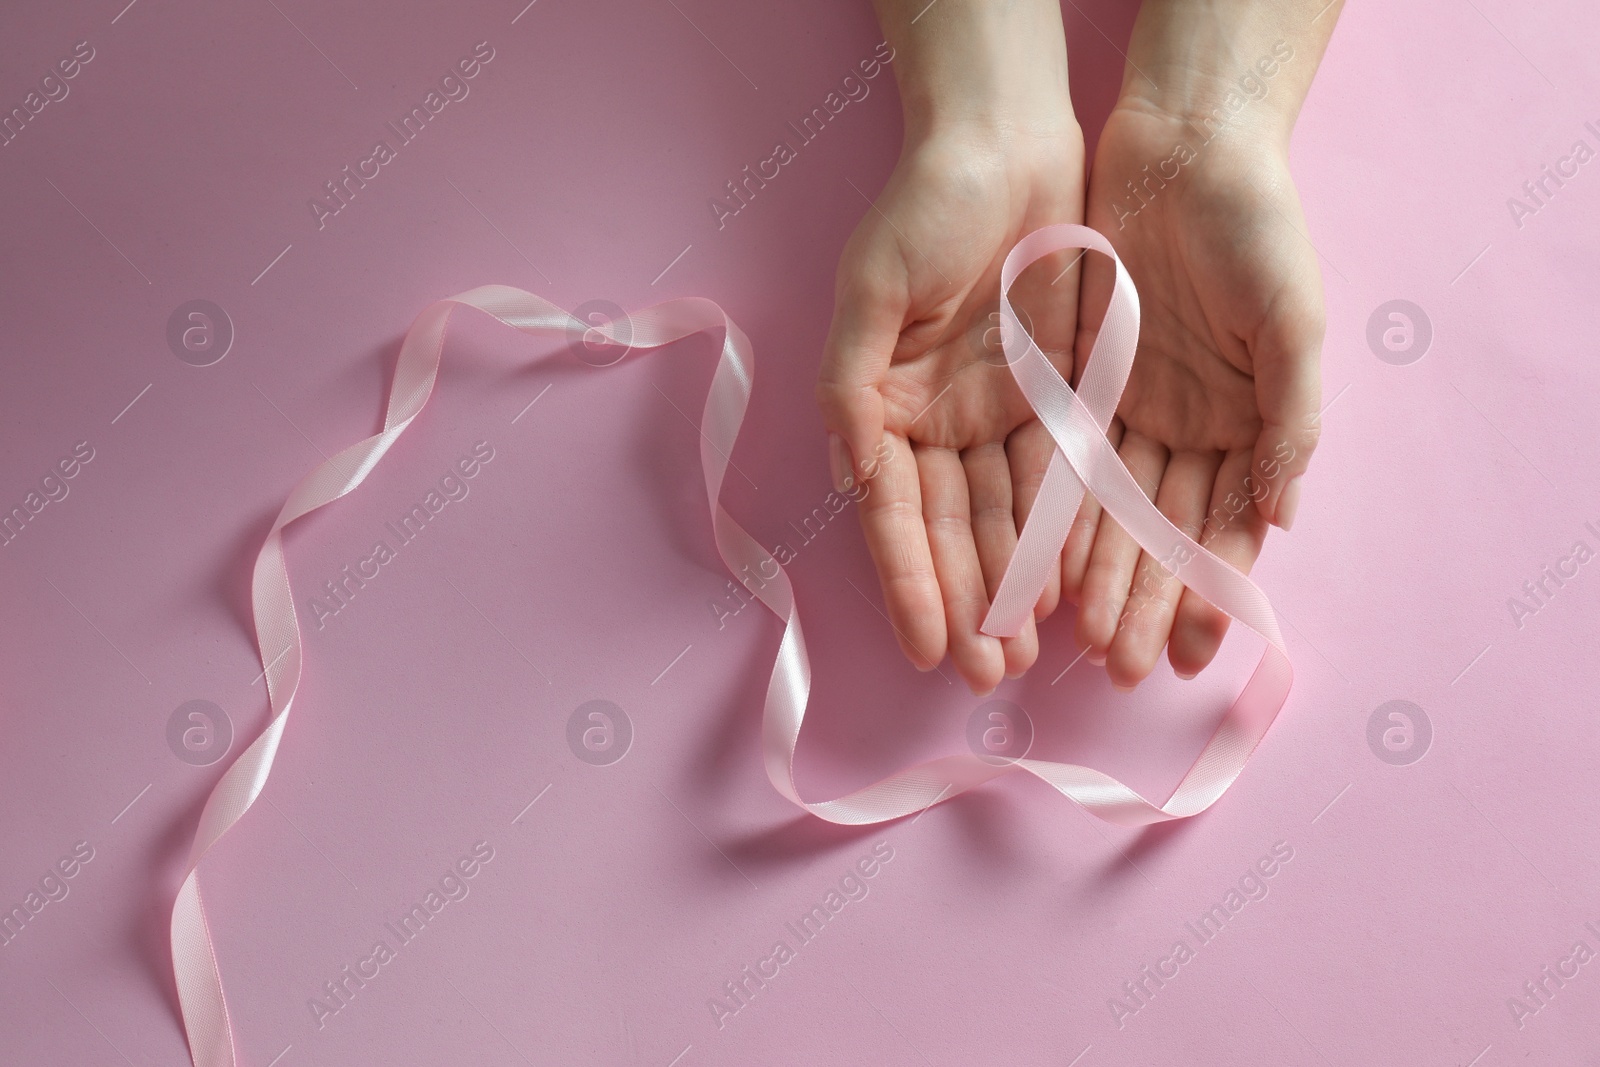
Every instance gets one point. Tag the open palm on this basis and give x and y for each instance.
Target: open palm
(1220, 414)
(914, 379)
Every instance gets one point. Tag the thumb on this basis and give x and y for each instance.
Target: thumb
(868, 314)
(1289, 394)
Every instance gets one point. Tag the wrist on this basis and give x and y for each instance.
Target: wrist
(1214, 115)
(964, 67)
(1227, 64)
(1204, 106)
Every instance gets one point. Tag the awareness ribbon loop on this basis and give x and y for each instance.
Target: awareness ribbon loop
(1085, 461)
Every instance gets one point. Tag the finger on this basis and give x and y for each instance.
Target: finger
(891, 519)
(1153, 603)
(1029, 449)
(1286, 356)
(947, 514)
(1116, 553)
(1233, 530)
(994, 533)
(871, 298)
(1080, 539)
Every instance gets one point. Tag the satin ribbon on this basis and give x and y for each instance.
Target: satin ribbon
(1084, 459)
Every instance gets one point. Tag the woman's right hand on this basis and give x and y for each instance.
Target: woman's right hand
(914, 389)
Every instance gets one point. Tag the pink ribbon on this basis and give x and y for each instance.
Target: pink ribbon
(1085, 458)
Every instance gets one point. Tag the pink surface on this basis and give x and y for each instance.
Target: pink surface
(1419, 897)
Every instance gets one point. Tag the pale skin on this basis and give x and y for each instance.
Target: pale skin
(1225, 383)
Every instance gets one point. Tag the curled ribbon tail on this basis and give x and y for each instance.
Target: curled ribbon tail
(1084, 462)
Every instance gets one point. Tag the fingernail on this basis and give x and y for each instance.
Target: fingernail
(1185, 677)
(1015, 674)
(840, 463)
(1289, 502)
(1122, 688)
(1096, 657)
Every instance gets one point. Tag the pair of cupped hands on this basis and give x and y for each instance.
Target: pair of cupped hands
(1220, 414)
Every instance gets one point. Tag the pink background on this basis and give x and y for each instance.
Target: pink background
(1419, 897)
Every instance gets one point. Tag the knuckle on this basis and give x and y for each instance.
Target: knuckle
(993, 514)
(953, 522)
